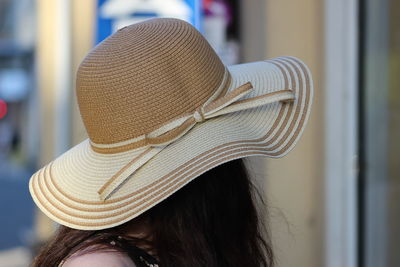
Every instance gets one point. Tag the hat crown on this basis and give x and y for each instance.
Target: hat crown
(144, 75)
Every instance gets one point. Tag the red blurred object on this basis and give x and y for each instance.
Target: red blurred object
(206, 4)
(3, 108)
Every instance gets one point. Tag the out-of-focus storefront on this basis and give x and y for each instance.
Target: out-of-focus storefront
(379, 133)
(19, 135)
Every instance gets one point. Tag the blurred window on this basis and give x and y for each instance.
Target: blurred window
(380, 133)
(18, 124)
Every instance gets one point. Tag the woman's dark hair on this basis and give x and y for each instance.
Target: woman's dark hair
(213, 221)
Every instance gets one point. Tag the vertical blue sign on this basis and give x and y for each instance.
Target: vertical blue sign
(103, 26)
(114, 14)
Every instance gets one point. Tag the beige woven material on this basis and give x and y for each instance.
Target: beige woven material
(152, 63)
(161, 109)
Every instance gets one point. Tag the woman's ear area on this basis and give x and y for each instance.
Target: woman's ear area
(99, 259)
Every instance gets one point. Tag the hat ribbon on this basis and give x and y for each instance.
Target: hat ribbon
(158, 139)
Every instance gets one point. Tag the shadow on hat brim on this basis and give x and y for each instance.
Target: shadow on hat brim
(66, 189)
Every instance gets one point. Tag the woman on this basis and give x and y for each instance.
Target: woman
(197, 226)
(160, 181)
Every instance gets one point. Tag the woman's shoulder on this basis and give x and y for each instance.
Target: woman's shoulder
(99, 259)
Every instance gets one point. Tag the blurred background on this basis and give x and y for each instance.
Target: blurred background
(333, 201)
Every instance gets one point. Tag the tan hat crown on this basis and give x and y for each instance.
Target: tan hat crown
(143, 76)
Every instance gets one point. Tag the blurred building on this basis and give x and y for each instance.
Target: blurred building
(18, 132)
(333, 201)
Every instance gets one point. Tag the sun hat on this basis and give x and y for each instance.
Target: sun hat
(160, 109)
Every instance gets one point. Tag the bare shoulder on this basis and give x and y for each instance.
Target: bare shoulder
(99, 259)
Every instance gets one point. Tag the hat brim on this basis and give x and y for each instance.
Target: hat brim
(66, 189)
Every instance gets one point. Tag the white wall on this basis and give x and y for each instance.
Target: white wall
(294, 185)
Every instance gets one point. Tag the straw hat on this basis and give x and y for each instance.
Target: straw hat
(160, 109)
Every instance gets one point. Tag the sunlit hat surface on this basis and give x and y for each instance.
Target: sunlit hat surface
(160, 109)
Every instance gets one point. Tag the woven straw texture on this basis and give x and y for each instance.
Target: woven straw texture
(164, 66)
(67, 189)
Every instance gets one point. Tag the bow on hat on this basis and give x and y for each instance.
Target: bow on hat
(158, 139)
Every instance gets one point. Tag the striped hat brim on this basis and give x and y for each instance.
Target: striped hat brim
(66, 189)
